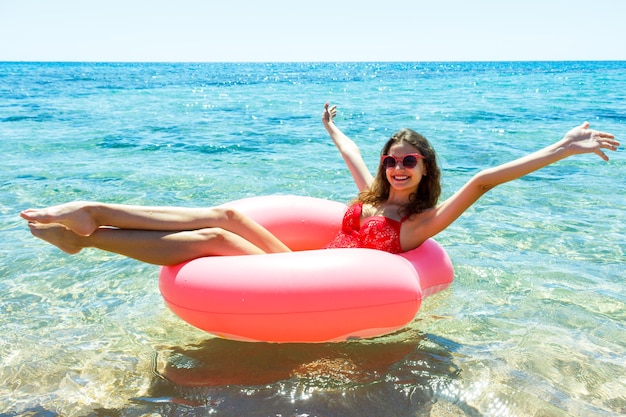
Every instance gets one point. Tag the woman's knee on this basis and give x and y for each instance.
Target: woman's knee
(210, 234)
(229, 215)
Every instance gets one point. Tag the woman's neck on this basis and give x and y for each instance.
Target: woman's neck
(398, 198)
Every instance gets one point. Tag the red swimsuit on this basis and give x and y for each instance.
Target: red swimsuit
(377, 232)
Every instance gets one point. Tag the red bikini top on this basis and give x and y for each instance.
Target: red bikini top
(377, 232)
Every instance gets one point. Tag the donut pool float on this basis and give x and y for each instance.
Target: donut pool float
(309, 295)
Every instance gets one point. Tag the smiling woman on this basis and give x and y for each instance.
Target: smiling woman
(396, 211)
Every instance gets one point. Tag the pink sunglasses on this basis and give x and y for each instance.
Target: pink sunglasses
(408, 161)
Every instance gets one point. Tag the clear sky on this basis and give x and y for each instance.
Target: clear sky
(304, 30)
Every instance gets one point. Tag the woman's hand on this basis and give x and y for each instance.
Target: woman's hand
(581, 139)
(329, 113)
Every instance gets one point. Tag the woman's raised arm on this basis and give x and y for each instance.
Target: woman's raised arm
(348, 149)
(579, 140)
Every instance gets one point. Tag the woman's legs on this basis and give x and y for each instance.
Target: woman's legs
(157, 235)
(151, 246)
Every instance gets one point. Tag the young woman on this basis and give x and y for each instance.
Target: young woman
(396, 211)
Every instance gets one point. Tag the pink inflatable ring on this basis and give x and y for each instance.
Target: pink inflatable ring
(309, 295)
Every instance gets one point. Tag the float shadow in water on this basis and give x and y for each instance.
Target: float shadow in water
(397, 375)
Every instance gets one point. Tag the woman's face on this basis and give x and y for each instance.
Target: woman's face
(400, 177)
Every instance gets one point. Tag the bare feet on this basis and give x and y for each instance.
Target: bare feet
(75, 216)
(58, 235)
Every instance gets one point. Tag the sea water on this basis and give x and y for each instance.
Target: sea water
(534, 324)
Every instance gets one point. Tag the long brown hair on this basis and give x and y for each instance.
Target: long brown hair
(429, 188)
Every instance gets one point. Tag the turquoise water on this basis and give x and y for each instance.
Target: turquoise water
(534, 324)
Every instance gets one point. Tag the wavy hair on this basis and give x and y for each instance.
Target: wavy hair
(429, 188)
